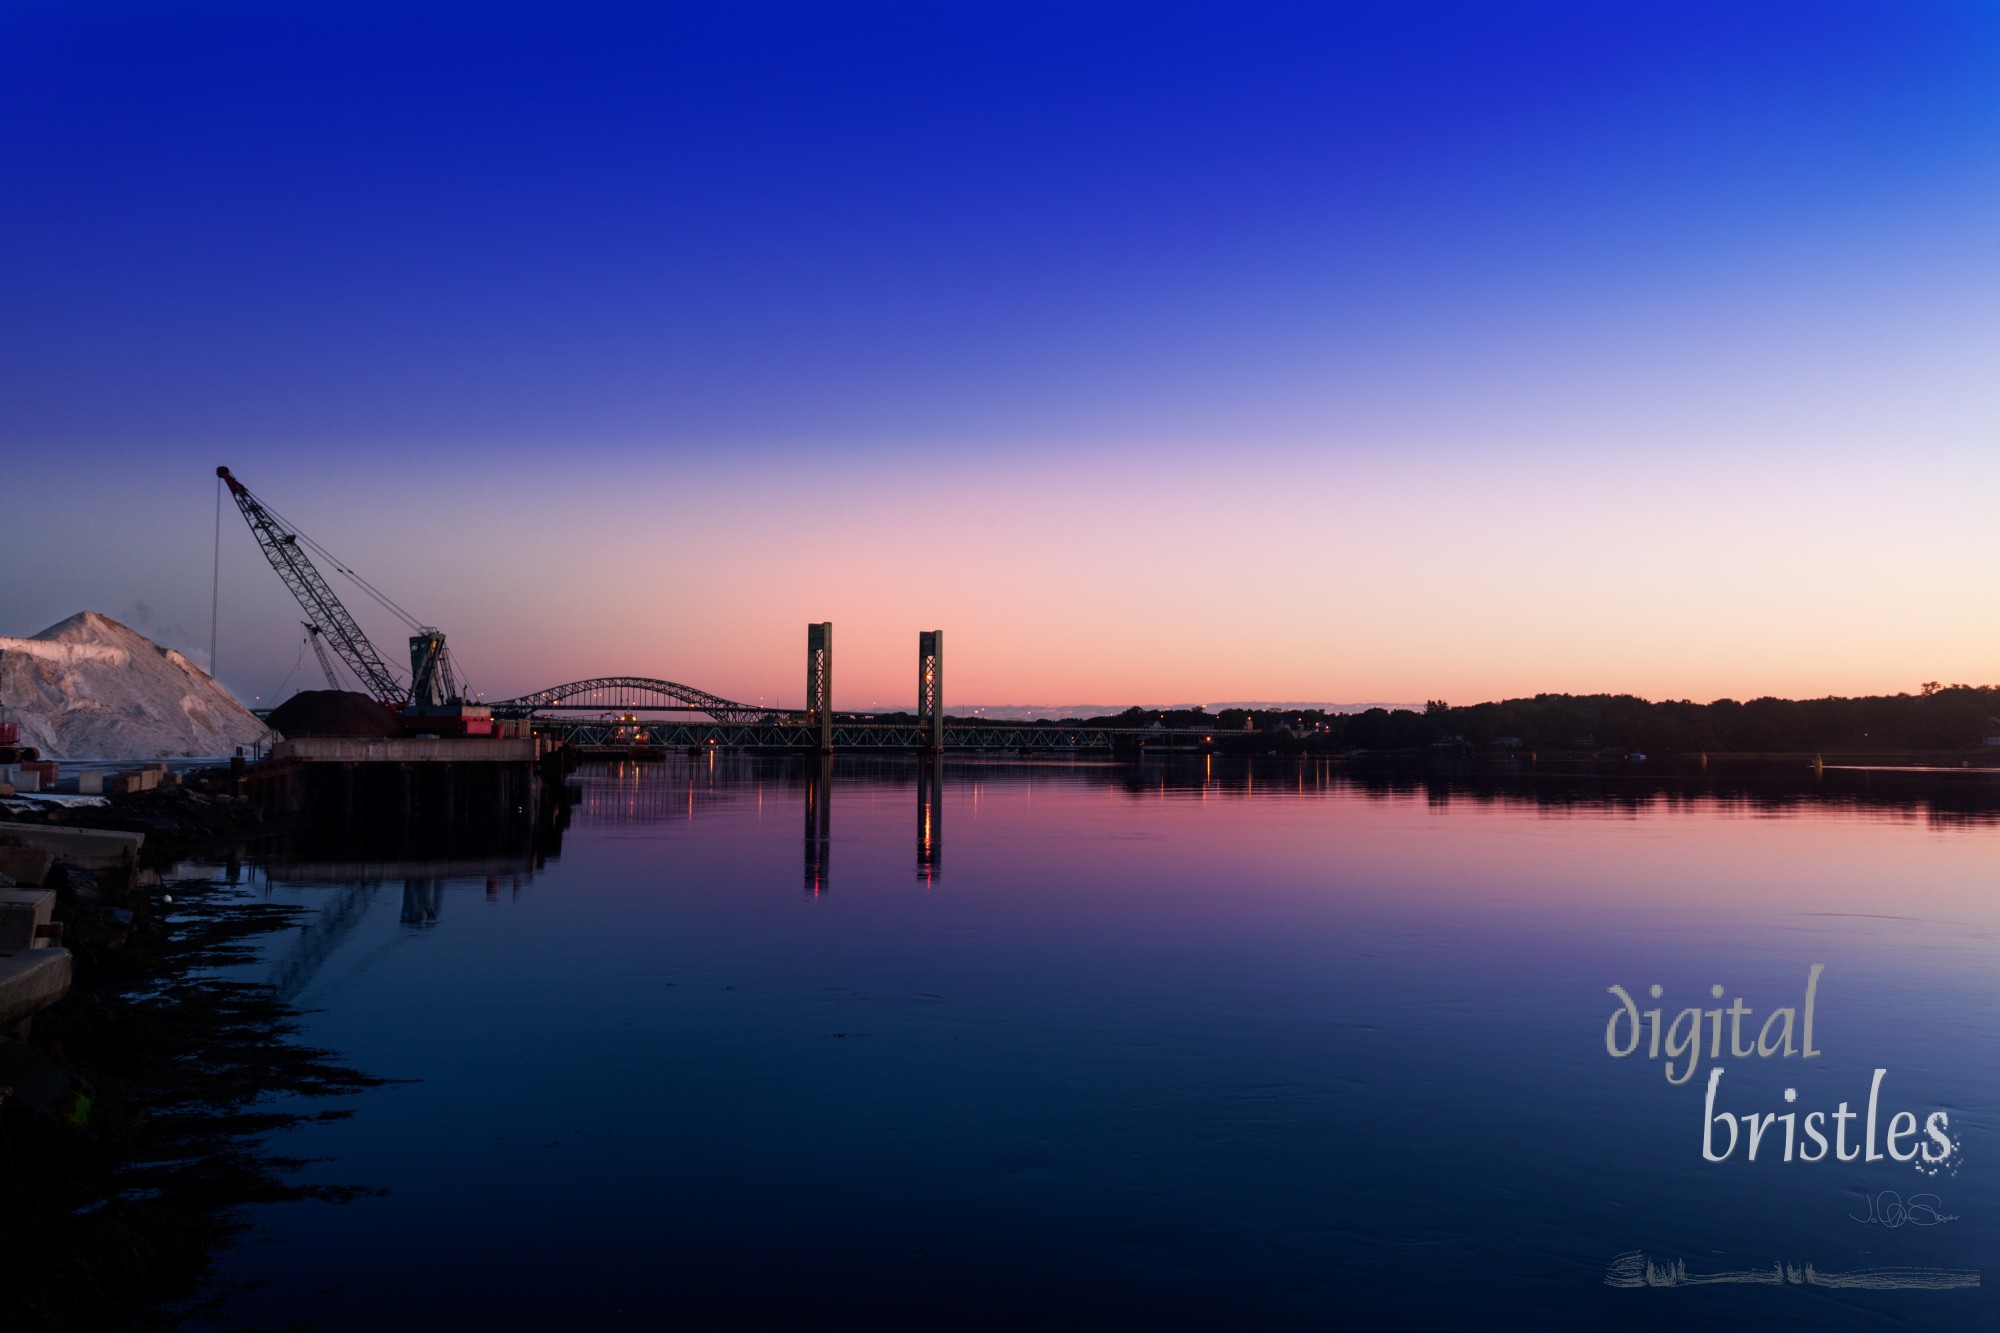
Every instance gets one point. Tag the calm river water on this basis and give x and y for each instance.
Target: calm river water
(1183, 1044)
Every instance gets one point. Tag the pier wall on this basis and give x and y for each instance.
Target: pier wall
(440, 781)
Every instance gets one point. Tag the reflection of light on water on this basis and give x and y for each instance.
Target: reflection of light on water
(1155, 995)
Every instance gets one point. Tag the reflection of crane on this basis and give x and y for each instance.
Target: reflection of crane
(319, 650)
(434, 682)
(322, 936)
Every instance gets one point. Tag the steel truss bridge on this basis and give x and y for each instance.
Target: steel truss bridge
(624, 734)
(631, 694)
(680, 717)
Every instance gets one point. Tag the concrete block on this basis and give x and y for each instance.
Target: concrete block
(123, 784)
(93, 849)
(25, 865)
(31, 981)
(90, 784)
(21, 779)
(22, 913)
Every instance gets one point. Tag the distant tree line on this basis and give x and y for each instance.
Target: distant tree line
(1938, 717)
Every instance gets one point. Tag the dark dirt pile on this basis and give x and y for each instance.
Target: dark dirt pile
(332, 713)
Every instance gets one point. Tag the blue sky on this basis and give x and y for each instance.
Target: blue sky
(1434, 261)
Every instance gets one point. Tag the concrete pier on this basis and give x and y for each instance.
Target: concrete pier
(400, 779)
(91, 849)
(24, 914)
(30, 981)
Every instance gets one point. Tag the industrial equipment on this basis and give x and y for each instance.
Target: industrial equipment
(318, 642)
(433, 700)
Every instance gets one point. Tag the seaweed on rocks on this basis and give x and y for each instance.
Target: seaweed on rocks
(115, 1198)
(176, 820)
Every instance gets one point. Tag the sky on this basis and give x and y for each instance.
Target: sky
(1157, 353)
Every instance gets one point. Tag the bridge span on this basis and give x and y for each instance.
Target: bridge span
(628, 733)
(630, 693)
(680, 716)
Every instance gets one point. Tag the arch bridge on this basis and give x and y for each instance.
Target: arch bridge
(629, 694)
(617, 700)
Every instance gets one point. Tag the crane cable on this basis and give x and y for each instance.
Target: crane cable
(386, 601)
(295, 668)
(215, 585)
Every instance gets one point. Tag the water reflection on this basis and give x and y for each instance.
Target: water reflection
(1188, 1043)
(420, 901)
(650, 794)
(321, 936)
(339, 864)
(930, 820)
(819, 826)
(1942, 798)
(634, 793)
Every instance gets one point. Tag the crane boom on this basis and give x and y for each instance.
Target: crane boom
(281, 547)
(319, 651)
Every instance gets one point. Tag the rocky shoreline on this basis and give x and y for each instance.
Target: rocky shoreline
(139, 1109)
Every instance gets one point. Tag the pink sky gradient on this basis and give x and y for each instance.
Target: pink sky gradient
(1340, 354)
(1104, 578)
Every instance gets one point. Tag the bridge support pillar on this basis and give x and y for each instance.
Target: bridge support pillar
(819, 682)
(930, 688)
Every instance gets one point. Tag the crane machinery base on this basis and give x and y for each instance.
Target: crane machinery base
(432, 704)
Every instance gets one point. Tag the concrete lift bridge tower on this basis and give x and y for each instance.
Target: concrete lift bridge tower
(819, 682)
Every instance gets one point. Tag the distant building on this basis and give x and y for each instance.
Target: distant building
(1508, 742)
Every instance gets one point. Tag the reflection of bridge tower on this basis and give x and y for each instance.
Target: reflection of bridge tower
(819, 681)
(819, 825)
(930, 688)
(421, 899)
(930, 820)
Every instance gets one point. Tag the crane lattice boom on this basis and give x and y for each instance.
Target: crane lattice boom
(319, 650)
(281, 548)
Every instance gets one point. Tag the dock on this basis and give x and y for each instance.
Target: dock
(404, 778)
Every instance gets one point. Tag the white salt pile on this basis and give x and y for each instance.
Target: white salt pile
(91, 688)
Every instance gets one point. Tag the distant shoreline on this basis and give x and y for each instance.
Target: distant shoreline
(1957, 725)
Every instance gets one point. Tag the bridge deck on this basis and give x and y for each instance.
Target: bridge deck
(621, 734)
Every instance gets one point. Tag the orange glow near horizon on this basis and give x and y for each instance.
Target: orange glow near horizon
(1398, 579)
